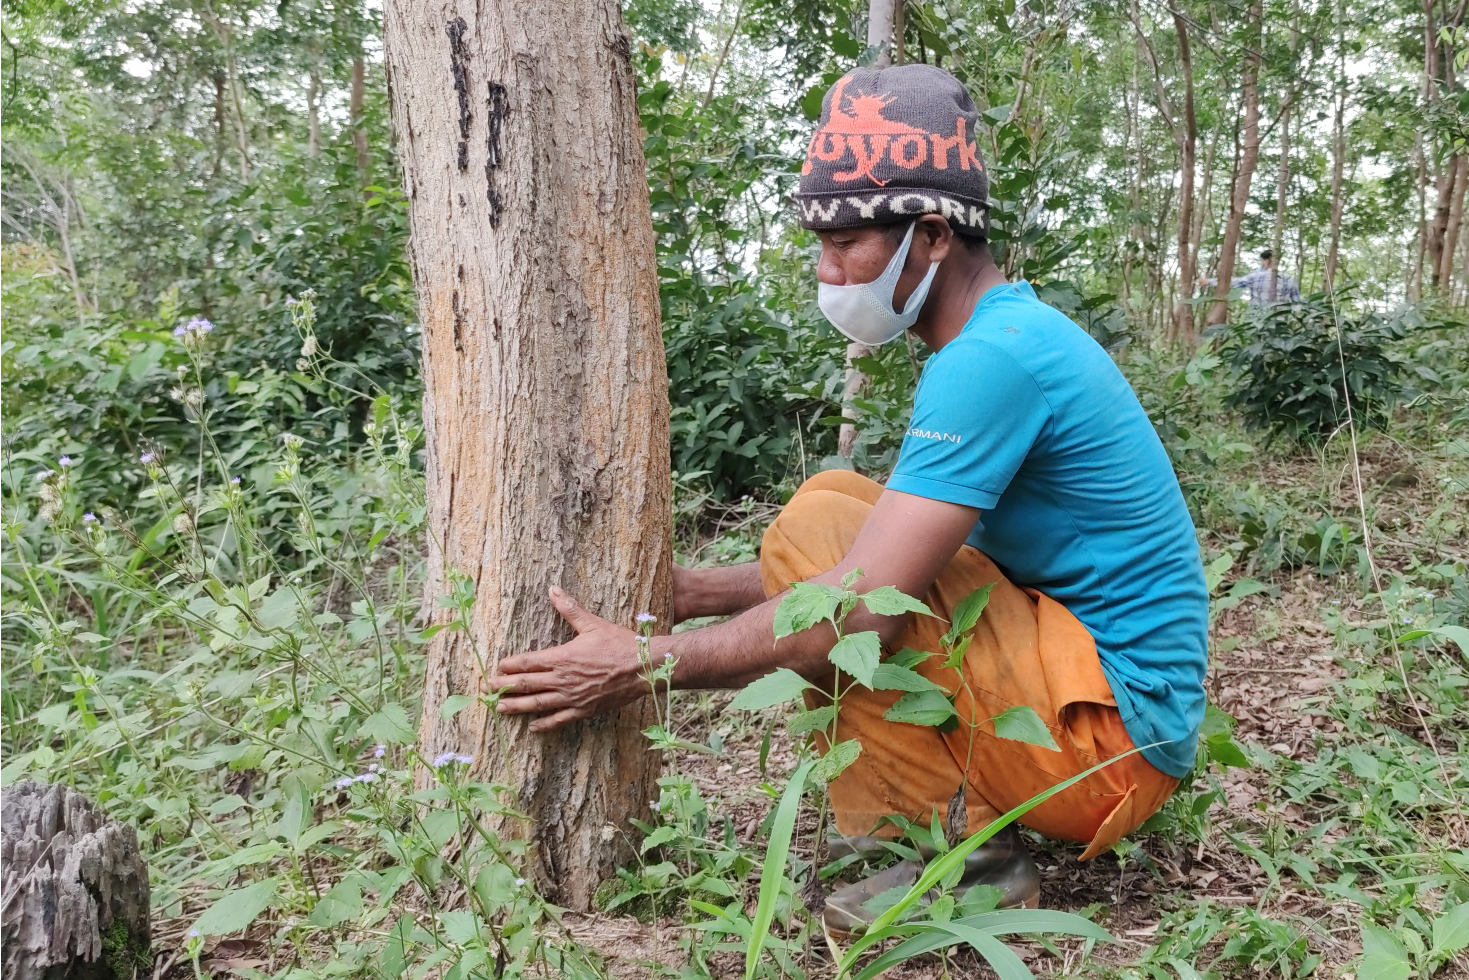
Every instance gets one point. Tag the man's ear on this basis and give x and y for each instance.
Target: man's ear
(933, 236)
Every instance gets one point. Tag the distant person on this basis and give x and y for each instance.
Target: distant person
(1258, 283)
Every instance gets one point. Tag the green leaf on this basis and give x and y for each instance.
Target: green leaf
(837, 759)
(928, 708)
(773, 871)
(777, 687)
(858, 654)
(888, 601)
(807, 605)
(237, 910)
(341, 903)
(967, 613)
(891, 677)
(1458, 634)
(1022, 724)
(389, 725)
(454, 704)
(1451, 930)
(1383, 956)
(815, 719)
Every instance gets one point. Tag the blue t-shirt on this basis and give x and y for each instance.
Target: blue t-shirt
(1026, 418)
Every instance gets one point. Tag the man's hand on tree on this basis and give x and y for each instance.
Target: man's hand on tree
(595, 673)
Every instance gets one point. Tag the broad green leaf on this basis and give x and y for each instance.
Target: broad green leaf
(928, 708)
(773, 871)
(858, 654)
(888, 601)
(815, 719)
(1458, 634)
(1383, 955)
(807, 605)
(967, 613)
(1451, 930)
(341, 903)
(837, 759)
(454, 704)
(237, 910)
(389, 725)
(890, 677)
(1022, 724)
(777, 687)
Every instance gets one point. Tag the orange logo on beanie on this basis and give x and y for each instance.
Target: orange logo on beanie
(858, 129)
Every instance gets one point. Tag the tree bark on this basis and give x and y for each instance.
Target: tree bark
(546, 403)
(74, 900)
(1249, 153)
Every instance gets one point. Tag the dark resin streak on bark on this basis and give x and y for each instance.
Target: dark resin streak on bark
(459, 64)
(498, 102)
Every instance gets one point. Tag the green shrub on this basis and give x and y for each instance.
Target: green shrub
(1299, 363)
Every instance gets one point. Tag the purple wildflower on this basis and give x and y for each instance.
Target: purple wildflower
(344, 782)
(443, 759)
(199, 325)
(234, 481)
(379, 750)
(64, 462)
(89, 518)
(367, 777)
(147, 459)
(645, 618)
(519, 882)
(464, 760)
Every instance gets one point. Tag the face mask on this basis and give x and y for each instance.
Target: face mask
(864, 312)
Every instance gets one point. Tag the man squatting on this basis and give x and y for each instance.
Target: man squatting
(1029, 466)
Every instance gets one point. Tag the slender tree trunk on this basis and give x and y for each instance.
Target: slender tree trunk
(1338, 158)
(1415, 268)
(359, 123)
(1188, 140)
(1282, 188)
(313, 116)
(546, 399)
(1201, 206)
(1249, 153)
(723, 53)
(879, 35)
(1459, 170)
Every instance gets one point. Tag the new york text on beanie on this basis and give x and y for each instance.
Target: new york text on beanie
(893, 143)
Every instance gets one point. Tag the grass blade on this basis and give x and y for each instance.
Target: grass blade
(772, 872)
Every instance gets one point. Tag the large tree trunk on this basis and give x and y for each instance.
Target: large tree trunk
(546, 403)
(1249, 153)
(74, 899)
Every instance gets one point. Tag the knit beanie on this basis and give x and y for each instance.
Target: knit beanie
(894, 143)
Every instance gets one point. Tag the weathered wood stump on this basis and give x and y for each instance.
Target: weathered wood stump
(73, 889)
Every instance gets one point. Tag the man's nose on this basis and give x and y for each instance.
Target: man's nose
(829, 271)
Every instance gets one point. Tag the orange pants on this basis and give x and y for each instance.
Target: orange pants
(1027, 650)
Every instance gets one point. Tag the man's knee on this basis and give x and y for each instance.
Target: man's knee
(844, 482)
(811, 534)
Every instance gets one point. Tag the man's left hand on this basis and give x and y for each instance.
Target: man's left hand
(597, 672)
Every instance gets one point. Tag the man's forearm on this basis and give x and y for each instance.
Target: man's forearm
(719, 591)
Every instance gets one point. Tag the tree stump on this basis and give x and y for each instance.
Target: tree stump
(73, 889)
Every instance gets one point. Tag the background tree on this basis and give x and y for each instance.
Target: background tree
(546, 406)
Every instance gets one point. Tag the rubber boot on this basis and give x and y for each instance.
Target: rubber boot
(1001, 862)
